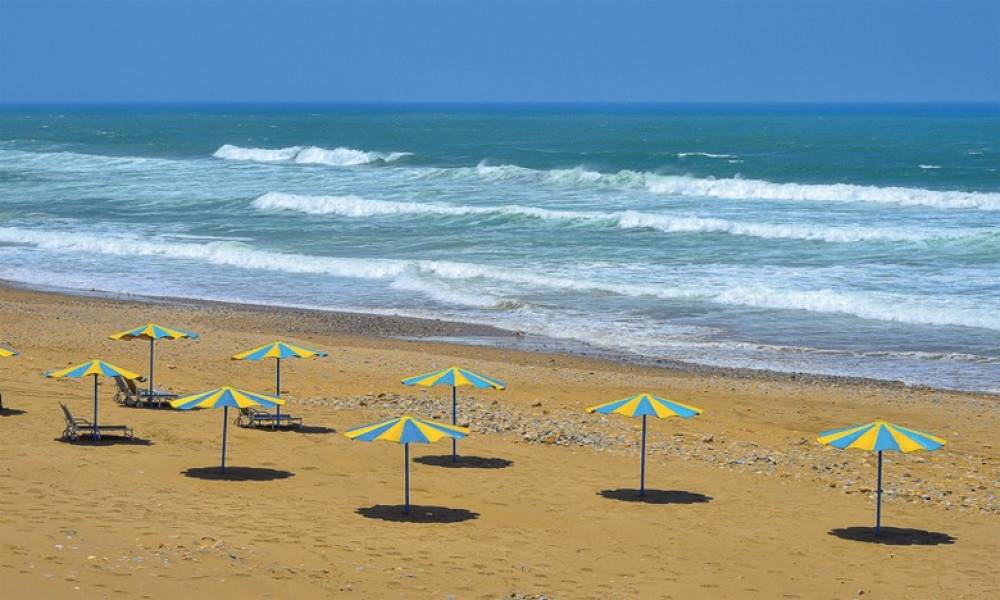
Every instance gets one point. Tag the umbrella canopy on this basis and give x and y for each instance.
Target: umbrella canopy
(406, 430)
(455, 377)
(97, 368)
(225, 397)
(153, 332)
(880, 436)
(645, 405)
(92, 367)
(278, 351)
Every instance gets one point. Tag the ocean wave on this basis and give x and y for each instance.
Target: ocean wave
(705, 155)
(437, 290)
(734, 188)
(868, 305)
(308, 155)
(755, 189)
(356, 207)
(929, 166)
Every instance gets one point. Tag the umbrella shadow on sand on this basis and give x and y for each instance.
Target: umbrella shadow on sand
(893, 536)
(418, 514)
(11, 412)
(237, 473)
(655, 496)
(105, 441)
(464, 462)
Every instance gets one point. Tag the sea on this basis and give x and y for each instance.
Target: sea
(855, 240)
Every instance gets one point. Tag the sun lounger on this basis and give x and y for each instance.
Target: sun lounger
(158, 398)
(126, 395)
(253, 417)
(76, 427)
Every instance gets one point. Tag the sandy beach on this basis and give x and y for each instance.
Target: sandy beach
(748, 504)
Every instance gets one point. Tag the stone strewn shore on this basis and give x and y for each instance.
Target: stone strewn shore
(947, 480)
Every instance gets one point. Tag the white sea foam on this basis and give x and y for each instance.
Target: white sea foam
(704, 155)
(869, 305)
(354, 206)
(929, 166)
(753, 189)
(735, 188)
(307, 155)
(447, 294)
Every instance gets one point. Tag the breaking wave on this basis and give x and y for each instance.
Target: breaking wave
(308, 155)
(704, 155)
(734, 188)
(356, 207)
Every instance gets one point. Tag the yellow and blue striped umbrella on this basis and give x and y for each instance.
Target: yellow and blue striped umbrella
(406, 430)
(455, 377)
(278, 351)
(97, 368)
(225, 397)
(645, 405)
(153, 332)
(880, 436)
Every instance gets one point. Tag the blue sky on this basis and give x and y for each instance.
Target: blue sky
(499, 51)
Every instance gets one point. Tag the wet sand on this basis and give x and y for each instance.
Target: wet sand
(746, 504)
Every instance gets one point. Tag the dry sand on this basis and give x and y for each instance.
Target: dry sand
(754, 509)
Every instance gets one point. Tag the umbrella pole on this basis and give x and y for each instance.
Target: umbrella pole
(97, 431)
(406, 478)
(277, 392)
(454, 421)
(642, 461)
(225, 427)
(152, 351)
(878, 496)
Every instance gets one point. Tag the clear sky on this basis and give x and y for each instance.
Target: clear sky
(499, 50)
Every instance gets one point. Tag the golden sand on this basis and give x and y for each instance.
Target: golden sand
(753, 508)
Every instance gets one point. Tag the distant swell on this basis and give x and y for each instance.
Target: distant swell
(356, 207)
(308, 155)
(728, 188)
(414, 275)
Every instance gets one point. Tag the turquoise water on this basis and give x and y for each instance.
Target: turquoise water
(837, 240)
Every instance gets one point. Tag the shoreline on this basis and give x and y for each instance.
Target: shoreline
(462, 333)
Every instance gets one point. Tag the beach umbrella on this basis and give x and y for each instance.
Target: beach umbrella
(225, 397)
(153, 332)
(6, 353)
(455, 377)
(406, 430)
(879, 436)
(645, 405)
(278, 351)
(97, 368)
